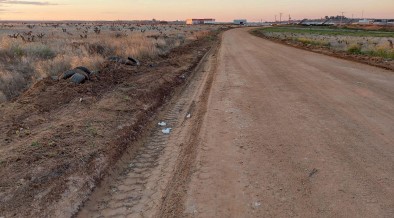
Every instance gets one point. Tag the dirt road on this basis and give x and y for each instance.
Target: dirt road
(291, 133)
(263, 130)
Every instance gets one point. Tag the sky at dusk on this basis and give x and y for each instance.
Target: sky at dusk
(222, 10)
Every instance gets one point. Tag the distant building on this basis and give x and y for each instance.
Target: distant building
(365, 21)
(383, 22)
(314, 22)
(200, 21)
(341, 20)
(240, 22)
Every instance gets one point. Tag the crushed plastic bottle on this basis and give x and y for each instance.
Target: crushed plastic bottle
(162, 124)
(166, 131)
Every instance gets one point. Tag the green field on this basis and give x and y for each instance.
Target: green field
(328, 31)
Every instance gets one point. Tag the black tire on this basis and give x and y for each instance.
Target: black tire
(113, 59)
(67, 74)
(128, 62)
(86, 70)
(87, 76)
(134, 61)
(78, 78)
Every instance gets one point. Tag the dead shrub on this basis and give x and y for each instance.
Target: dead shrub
(11, 84)
(40, 51)
(53, 67)
(3, 98)
(21, 64)
(100, 49)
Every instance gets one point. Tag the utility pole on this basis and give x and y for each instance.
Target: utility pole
(275, 18)
(280, 19)
(342, 17)
(362, 14)
(289, 19)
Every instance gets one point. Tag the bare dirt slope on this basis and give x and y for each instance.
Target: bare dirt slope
(291, 133)
(151, 182)
(58, 139)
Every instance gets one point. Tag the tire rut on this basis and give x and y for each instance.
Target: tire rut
(140, 186)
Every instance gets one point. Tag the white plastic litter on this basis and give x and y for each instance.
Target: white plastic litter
(256, 204)
(188, 116)
(166, 131)
(162, 124)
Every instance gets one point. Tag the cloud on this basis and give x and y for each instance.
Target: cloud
(18, 2)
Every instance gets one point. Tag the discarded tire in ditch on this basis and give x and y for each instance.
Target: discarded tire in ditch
(114, 59)
(134, 61)
(78, 78)
(84, 69)
(78, 75)
(129, 61)
(67, 74)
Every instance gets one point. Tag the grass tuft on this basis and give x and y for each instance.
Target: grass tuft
(307, 41)
(354, 49)
(381, 52)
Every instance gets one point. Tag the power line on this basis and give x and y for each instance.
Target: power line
(342, 16)
(280, 19)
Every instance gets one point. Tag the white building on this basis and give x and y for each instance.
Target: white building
(365, 21)
(240, 22)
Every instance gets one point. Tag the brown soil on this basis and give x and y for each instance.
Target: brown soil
(57, 140)
(292, 133)
(274, 131)
(371, 27)
(151, 181)
(373, 61)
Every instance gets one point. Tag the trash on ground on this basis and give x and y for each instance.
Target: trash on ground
(313, 172)
(188, 115)
(256, 204)
(77, 75)
(135, 61)
(162, 124)
(166, 131)
(126, 61)
(78, 78)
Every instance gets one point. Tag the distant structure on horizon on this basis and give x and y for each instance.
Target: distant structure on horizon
(200, 21)
(342, 20)
(241, 22)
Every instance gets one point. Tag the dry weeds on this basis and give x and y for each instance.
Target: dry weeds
(29, 53)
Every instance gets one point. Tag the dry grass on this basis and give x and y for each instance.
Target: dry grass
(371, 43)
(307, 41)
(24, 60)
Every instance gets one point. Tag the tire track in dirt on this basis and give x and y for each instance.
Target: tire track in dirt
(290, 133)
(141, 182)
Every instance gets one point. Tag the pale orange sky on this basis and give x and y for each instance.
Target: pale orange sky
(222, 10)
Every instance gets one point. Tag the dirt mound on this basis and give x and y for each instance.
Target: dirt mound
(58, 138)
